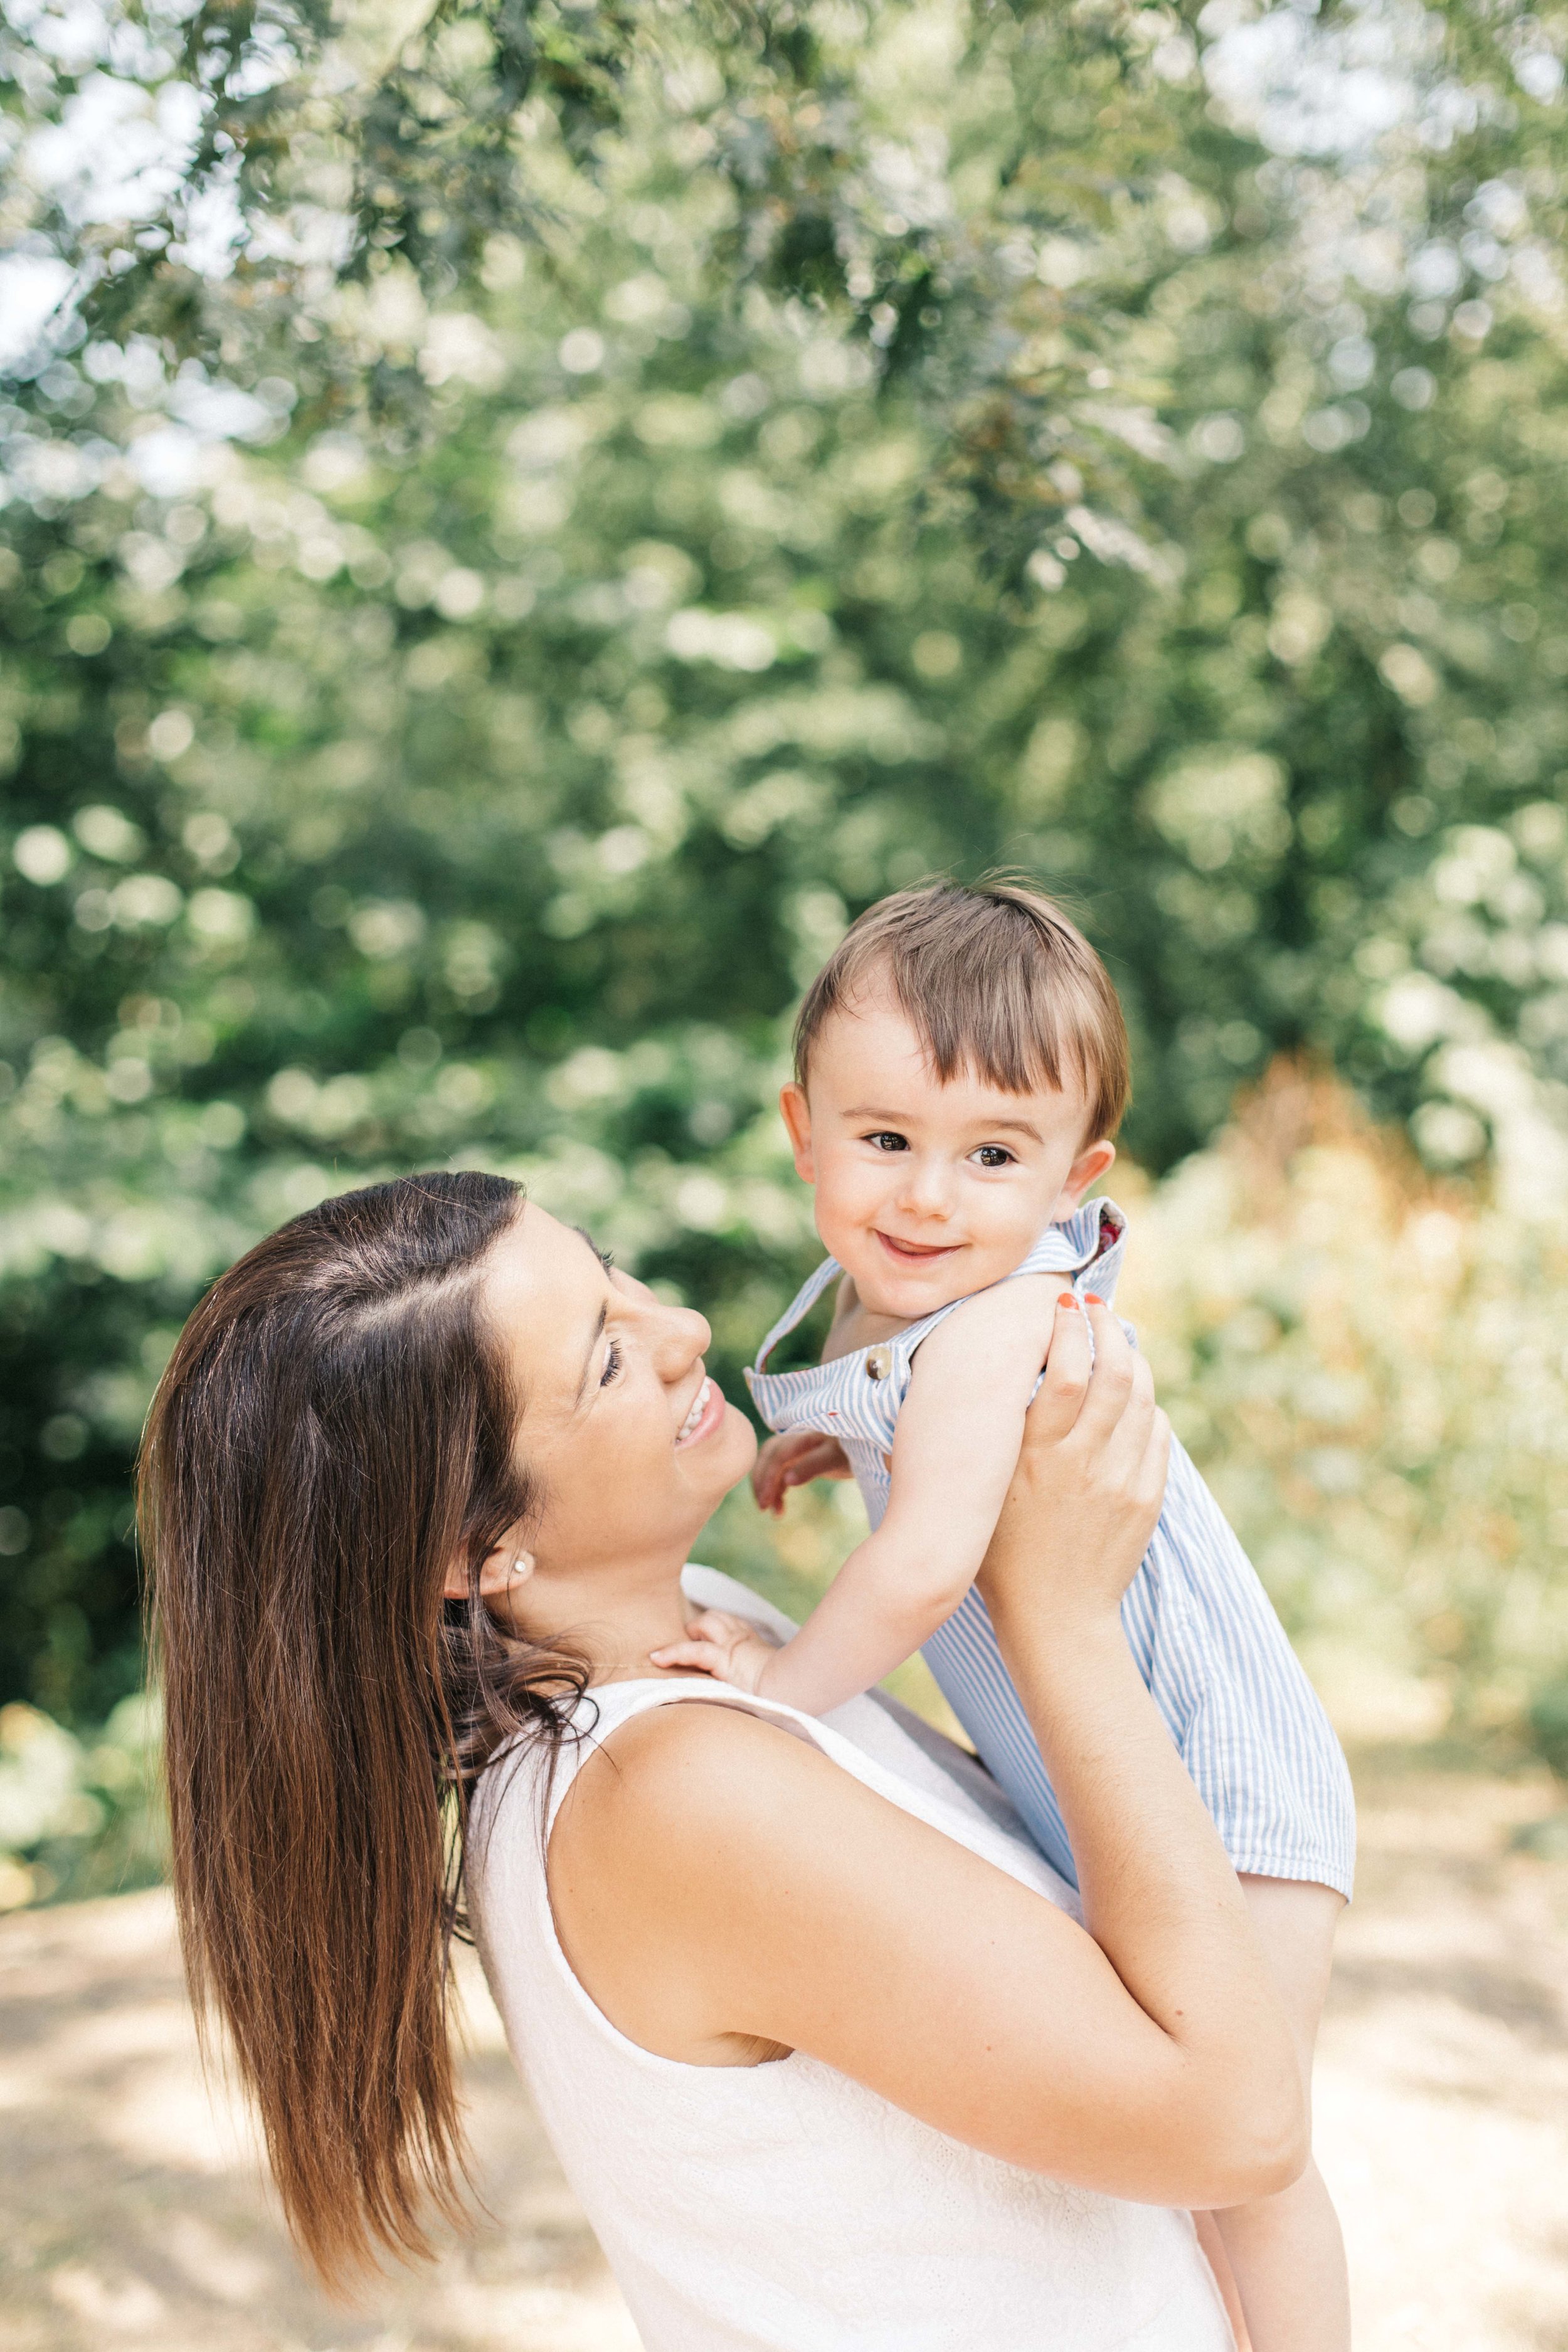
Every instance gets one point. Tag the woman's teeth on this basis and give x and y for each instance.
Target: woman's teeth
(698, 1407)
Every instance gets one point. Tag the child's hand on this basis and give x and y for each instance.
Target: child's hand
(795, 1461)
(726, 1647)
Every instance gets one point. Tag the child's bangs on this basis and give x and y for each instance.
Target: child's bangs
(993, 980)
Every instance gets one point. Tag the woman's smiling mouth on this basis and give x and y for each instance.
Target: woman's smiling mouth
(707, 1411)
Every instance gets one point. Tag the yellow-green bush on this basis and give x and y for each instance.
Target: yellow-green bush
(1372, 1371)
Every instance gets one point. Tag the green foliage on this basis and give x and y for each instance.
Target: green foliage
(1548, 1725)
(78, 1817)
(536, 516)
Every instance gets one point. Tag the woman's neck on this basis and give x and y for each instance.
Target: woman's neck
(613, 1615)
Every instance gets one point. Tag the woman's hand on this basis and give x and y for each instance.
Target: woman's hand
(794, 1460)
(1090, 1480)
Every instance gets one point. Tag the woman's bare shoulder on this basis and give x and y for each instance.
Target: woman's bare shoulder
(692, 1768)
(686, 1842)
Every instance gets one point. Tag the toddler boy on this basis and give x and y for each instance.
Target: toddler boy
(961, 1071)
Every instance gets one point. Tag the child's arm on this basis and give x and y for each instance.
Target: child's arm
(954, 1451)
(794, 1460)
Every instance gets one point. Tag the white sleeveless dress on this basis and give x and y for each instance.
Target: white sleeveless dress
(784, 2208)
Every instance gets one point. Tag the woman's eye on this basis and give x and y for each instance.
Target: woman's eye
(888, 1141)
(613, 1362)
(993, 1155)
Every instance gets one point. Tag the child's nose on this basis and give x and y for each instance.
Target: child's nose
(927, 1187)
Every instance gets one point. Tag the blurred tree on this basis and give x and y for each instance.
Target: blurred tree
(521, 520)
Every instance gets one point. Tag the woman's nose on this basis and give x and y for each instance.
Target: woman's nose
(683, 1336)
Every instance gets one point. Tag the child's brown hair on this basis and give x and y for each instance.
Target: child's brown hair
(995, 980)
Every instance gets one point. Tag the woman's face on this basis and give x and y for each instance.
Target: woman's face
(630, 1442)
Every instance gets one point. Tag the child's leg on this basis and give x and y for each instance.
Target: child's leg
(1218, 2261)
(1285, 2252)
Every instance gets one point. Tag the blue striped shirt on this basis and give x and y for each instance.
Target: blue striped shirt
(1247, 1723)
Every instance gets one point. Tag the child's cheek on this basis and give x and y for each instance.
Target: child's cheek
(845, 1204)
(845, 1191)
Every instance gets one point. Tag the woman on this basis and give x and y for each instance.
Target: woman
(828, 2061)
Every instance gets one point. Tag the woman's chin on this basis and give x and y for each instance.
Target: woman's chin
(738, 1432)
(715, 1468)
(732, 1449)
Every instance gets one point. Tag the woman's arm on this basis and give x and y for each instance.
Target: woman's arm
(724, 1892)
(954, 1451)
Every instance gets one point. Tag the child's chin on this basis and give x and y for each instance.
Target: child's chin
(886, 1289)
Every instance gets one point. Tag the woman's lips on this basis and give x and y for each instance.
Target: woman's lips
(708, 1409)
(915, 1252)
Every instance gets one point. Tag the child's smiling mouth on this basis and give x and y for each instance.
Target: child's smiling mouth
(915, 1252)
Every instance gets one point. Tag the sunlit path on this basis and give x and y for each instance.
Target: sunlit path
(131, 2207)
(133, 2212)
(1442, 2103)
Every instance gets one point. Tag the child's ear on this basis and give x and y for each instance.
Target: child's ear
(796, 1114)
(1087, 1169)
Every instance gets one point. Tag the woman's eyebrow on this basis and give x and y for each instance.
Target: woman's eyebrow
(603, 1258)
(593, 1351)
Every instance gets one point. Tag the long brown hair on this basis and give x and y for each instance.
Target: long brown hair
(336, 1428)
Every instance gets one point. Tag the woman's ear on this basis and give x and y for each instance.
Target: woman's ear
(796, 1116)
(501, 1571)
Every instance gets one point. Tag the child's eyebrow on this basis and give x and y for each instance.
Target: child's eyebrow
(991, 1126)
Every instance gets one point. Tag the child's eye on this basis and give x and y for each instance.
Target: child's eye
(993, 1155)
(613, 1362)
(888, 1141)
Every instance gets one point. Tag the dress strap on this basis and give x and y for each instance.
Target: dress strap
(798, 1310)
(605, 1708)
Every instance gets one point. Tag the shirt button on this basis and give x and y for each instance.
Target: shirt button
(878, 1364)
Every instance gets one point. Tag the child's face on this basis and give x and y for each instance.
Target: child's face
(926, 1191)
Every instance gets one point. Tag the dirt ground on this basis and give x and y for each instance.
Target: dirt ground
(133, 2212)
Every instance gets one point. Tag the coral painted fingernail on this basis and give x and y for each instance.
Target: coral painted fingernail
(1094, 1298)
(1066, 1298)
